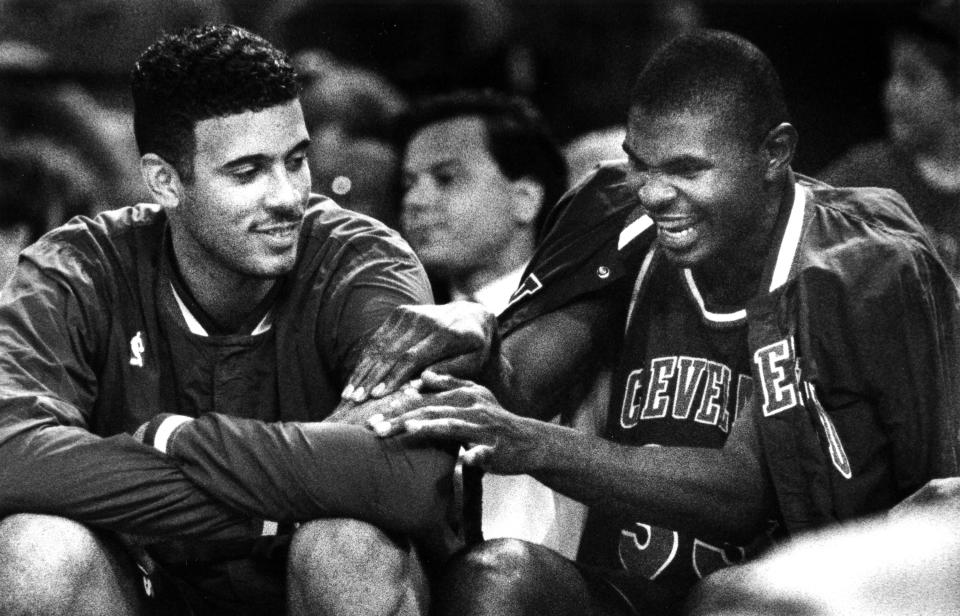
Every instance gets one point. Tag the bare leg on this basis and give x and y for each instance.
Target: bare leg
(54, 566)
(509, 576)
(350, 568)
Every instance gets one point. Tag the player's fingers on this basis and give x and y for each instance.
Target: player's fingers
(377, 360)
(477, 455)
(415, 419)
(385, 377)
(437, 381)
(444, 428)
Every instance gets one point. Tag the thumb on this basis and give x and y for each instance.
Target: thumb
(478, 455)
(433, 381)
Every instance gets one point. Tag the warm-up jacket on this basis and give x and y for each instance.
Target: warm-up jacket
(95, 341)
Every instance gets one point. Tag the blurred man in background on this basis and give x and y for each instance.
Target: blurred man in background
(480, 172)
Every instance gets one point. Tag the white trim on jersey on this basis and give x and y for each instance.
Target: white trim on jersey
(192, 323)
(197, 329)
(791, 239)
(634, 229)
(715, 317)
(641, 278)
(781, 270)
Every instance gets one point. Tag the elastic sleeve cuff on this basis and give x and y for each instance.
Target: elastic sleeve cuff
(160, 431)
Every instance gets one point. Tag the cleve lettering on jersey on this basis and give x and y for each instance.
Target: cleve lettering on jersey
(690, 371)
(777, 366)
(657, 401)
(717, 395)
(648, 550)
(684, 388)
(744, 396)
(632, 400)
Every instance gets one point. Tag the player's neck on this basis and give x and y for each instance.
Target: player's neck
(734, 278)
(227, 297)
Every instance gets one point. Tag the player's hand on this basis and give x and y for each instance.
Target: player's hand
(462, 411)
(944, 492)
(358, 414)
(455, 338)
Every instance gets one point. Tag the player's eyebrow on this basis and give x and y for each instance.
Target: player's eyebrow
(259, 159)
(677, 163)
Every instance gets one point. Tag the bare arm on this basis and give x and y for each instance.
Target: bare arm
(722, 494)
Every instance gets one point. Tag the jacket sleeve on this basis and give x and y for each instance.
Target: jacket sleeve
(50, 461)
(882, 352)
(908, 343)
(299, 471)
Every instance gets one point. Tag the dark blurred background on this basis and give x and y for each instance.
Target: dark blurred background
(64, 64)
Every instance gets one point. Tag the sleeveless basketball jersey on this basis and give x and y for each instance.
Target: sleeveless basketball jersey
(682, 376)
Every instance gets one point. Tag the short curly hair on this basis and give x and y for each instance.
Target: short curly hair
(717, 71)
(201, 73)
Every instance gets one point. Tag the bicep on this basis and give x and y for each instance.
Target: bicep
(553, 360)
(362, 299)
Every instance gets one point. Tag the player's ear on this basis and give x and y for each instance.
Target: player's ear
(162, 180)
(527, 200)
(777, 150)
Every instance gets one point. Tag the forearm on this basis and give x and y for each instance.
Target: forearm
(113, 483)
(714, 493)
(305, 471)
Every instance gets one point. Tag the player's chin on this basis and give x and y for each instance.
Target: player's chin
(274, 265)
(690, 257)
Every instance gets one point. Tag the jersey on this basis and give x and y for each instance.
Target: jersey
(682, 378)
(852, 340)
(97, 338)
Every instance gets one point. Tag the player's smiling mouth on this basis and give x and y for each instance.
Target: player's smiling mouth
(677, 234)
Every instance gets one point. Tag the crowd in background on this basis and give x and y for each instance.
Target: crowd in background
(65, 110)
(874, 89)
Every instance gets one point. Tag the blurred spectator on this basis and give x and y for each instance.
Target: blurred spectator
(479, 169)
(35, 102)
(42, 185)
(920, 157)
(585, 152)
(350, 112)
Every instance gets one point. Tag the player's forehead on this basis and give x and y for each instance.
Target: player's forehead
(270, 132)
(654, 135)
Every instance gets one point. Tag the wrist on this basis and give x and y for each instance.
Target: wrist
(161, 431)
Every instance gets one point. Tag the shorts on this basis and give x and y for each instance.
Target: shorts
(252, 585)
(620, 592)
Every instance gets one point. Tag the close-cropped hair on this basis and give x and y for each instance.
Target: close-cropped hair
(711, 70)
(201, 73)
(517, 136)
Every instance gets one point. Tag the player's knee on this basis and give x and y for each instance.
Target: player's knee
(47, 564)
(333, 547)
(509, 576)
(498, 567)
